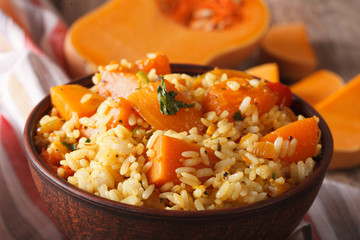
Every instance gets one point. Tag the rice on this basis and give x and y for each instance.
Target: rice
(114, 162)
(85, 98)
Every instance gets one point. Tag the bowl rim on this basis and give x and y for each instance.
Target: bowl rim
(35, 160)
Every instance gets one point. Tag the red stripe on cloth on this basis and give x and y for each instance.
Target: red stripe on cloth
(18, 160)
(36, 2)
(31, 46)
(307, 218)
(57, 38)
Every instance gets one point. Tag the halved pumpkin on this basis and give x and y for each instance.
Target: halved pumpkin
(317, 86)
(341, 111)
(131, 29)
(289, 46)
(267, 71)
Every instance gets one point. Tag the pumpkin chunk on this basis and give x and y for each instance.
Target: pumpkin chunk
(222, 96)
(167, 158)
(118, 84)
(230, 73)
(288, 45)
(283, 91)
(124, 80)
(74, 98)
(267, 71)
(317, 86)
(158, 61)
(218, 47)
(342, 113)
(305, 131)
(146, 102)
(121, 114)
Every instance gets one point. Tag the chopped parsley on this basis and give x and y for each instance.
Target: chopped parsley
(238, 116)
(219, 146)
(134, 131)
(88, 140)
(71, 147)
(168, 104)
(142, 77)
(273, 176)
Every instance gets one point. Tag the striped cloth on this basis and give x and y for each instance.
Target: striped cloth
(31, 61)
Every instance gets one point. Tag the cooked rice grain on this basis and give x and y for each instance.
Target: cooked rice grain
(113, 163)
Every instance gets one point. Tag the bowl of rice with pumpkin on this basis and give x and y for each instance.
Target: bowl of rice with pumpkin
(148, 149)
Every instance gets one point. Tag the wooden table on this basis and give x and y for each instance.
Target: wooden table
(334, 31)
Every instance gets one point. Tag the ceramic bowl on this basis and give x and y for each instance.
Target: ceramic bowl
(82, 215)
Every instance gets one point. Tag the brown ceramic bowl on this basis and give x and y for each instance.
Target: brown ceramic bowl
(85, 216)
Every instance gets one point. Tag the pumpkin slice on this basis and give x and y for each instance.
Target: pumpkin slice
(306, 133)
(74, 98)
(222, 96)
(118, 84)
(168, 157)
(288, 45)
(267, 71)
(123, 29)
(317, 86)
(341, 111)
(146, 103)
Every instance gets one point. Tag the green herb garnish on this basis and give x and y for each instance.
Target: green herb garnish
(143, 77)
(71, 147)
(273, 176)
(168, 104)
(134, 131)
(219, 146)
(238, 116)
(88, 140)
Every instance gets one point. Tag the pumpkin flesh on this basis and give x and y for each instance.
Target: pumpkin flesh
(267, 71)
(317, 86)
(342, 113)
(288, 45)
(112, 32)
